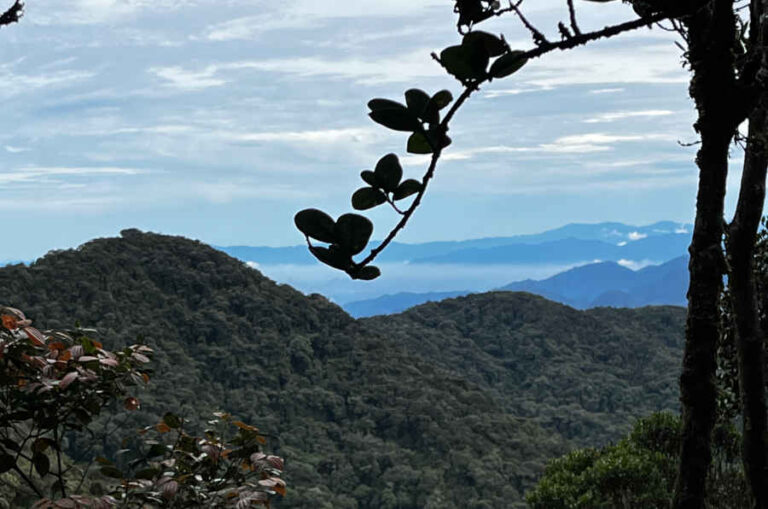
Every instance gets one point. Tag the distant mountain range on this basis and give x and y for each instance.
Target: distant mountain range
(594, 285)
(571, 243)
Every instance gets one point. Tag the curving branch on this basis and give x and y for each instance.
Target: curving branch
(13, 14)
(471, 87)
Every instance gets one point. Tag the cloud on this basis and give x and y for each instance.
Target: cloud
(622, 115)
(636, 236)
(405, 68)
(178, 77)
(15, 83)
(16, 150)
(44, 174)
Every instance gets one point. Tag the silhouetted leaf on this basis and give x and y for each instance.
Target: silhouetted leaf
(417, 101)
(353, 232)
(388, 172)
(384, 104)
(333, 256)
(492, 44)
(367, 197)
(368, 177)
(367, 273)
(397, 119)
(466, 61)
(406, 189)
(508, 63)
(418, 144)
(442, 99)
(316, 224)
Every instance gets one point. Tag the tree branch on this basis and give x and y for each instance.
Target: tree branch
(542, 49)
(13, 14)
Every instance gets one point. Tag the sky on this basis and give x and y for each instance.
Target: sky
(219, 119)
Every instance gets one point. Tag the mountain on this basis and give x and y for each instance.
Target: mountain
(395, 303)
(659, 248)
(599, 233)
(587, 286)
(610, 284)
(462, 400)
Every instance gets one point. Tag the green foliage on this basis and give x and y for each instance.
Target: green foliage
(463, 400)
(639, 471)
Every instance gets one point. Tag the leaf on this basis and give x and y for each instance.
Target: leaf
(489, 42)
(418, 144)
(397, 119)
(112, 472)
(42, 464)
(442, 99)
(247, 427)
(388, 172)
(367, 273)
(41, 444)
(353, 232)
(102, 460)
(147, 473)
(68, 379)
(368, 177)
(162, 427)
(333, 256)
(407, 188)
(417, 101)
(367, 197)
(466, 61)
(383, 104)
(508, 63)
(131, 404)
(172, 420)
(316, 224)
(7, 462)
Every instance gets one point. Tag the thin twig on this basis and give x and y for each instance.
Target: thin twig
(572, 13)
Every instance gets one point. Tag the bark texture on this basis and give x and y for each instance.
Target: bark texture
(742, 234)
(712, 34)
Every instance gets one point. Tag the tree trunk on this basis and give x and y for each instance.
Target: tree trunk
(711, 33)
(742, 234)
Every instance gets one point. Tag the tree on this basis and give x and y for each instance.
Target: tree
(639, 471)
(726, 54)
(54, 383)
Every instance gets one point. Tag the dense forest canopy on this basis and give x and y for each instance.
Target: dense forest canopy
(460, 400)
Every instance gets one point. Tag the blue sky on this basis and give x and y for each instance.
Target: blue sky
(219, 119)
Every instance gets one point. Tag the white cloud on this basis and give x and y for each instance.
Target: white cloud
(405, 68)
(635, 265)
(181, 78)
(621, 115)
(45, 173)
(15, 150)
(606, 91)
(636, 236)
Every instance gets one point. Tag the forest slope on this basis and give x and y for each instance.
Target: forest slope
(462, 400)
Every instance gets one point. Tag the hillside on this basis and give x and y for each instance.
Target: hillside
(459, 400)
(610, 284)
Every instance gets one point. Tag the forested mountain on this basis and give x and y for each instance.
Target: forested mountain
(584, 287)
(462, 400)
